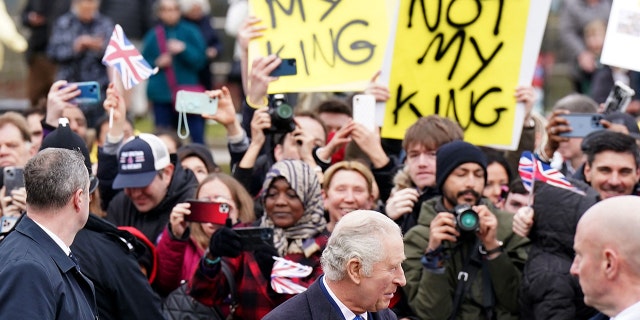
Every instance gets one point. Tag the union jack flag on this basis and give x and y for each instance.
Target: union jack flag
(282, 272)
(531, 169)
(125, 58)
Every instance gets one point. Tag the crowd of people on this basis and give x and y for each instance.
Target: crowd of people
(321, 217)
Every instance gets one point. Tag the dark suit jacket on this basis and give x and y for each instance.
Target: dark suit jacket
(314, 304)
(39, 281)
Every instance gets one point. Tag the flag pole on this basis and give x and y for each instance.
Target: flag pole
(114, 77)
(534, 160)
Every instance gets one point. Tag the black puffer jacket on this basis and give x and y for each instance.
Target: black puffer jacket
(108, 257)
(548, 291)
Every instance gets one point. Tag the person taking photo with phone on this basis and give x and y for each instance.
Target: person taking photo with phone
(184, 242)
(293, 209)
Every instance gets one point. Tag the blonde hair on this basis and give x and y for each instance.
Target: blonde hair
(349, 166)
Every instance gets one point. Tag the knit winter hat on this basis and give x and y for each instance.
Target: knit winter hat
(449, 156)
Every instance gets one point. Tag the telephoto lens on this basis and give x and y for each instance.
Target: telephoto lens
(467, 220)
(281, 115)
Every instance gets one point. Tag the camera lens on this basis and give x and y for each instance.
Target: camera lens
(467, 220)
(284, 111)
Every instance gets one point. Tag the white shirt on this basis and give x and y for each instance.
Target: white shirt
(56, 239)
(630, 313)
(348, 314)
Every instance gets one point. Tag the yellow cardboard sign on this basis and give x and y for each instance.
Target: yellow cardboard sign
(338, 45)
(460, 59)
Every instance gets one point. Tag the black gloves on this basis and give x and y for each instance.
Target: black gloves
(225, 243)
(263, 256)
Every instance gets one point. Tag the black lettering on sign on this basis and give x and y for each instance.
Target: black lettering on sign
(452, 109)
(400, 102)
(318, 47)
(475, 104)
(496, 29)
(270, 49)
(288, 11)
(440, 52)
(461, 16)
(355, 46)
(424, 15)
(483, 62)
(463, 24)
(334, 3)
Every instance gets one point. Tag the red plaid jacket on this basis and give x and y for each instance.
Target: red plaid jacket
(254, 294)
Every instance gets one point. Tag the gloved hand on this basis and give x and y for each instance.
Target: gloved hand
(225, 243)
(263, 256)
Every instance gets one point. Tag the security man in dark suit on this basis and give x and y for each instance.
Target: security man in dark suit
(41, 278)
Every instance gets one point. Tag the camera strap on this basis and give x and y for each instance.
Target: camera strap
(472, 262)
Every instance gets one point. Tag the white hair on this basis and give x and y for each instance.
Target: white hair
(360, 235)
(186, 5)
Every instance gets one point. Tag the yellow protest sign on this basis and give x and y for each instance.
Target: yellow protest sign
(338, 45)
(460, 59)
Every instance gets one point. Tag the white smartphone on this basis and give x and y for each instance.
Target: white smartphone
(195, 102)
(364, 110)
(619, 98)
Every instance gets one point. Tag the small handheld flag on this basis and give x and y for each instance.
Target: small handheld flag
(531, 169)
(283, 271)
(124, 57)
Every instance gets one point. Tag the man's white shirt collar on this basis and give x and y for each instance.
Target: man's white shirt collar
(630, 313)
(55, 238)
(348, 314)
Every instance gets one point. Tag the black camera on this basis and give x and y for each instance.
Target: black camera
(467, 220)
(281, 114)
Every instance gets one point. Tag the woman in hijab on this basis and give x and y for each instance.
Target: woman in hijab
(293, 210)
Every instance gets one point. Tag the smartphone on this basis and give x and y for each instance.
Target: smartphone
(89, 92)
(195, 102)
(364, 110)
(208, 211)
(7, 223)
(13, 178)
(582, 124)
(286, 68)
(619, 98)
(253, 238)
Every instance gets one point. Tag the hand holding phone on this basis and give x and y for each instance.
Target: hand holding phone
(208, 211)
(89, 92)
(619, 98)
(195, 102)
(364, 111)
(286, 68)
(13, 178)
(582, 124)
(253, 238)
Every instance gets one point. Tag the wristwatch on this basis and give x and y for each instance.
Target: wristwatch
(497, 249)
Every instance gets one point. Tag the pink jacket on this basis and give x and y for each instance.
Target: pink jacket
(177, 261)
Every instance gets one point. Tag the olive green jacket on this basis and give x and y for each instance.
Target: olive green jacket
(431, 294)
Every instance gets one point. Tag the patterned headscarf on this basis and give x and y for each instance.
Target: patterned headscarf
(305, 183)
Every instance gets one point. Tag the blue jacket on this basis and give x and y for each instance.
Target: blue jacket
(185, 64)
(39, 281)
(314, 304)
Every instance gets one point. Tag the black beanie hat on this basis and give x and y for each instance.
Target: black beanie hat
(64, 138)
(449, 156)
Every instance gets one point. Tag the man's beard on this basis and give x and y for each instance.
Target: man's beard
(460, 194)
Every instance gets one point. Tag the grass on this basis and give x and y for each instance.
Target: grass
(215, 136)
